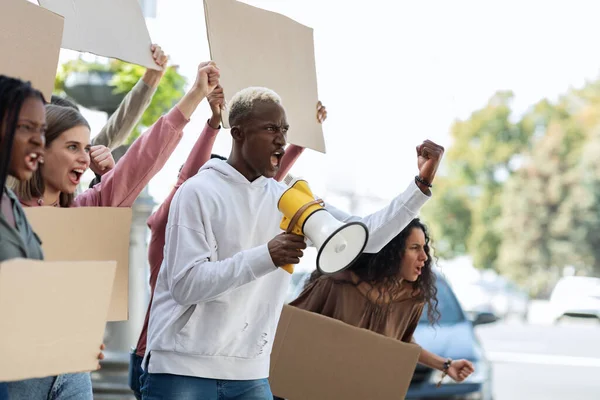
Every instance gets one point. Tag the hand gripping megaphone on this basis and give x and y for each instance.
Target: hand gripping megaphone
(338, 244)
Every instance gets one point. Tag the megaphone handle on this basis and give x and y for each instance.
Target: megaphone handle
(290, 267)
(299, 213)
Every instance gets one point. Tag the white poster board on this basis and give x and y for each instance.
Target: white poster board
(33, 56)
(255, 47)
(52, 316)
(109, 28)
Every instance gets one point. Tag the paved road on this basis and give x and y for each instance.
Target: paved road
(544, 361)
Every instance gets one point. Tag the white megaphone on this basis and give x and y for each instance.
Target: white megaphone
(338, 244)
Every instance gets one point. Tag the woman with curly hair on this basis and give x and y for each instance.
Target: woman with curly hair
(385, 293)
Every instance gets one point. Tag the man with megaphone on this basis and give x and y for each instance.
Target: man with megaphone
(222, 287)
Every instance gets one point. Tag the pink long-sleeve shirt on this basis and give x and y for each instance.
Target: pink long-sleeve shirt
(144, 158)
(157, 222)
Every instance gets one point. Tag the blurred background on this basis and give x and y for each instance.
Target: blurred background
(511, 89)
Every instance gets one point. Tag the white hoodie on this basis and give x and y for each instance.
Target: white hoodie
(219, 296)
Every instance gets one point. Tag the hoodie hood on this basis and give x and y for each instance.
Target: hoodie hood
(231, 174)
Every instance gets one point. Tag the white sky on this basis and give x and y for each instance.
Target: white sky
(393, 73)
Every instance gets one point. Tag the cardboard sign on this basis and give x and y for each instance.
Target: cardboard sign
(320, 358)
(30, 38)
(109, 28)
(254, 47)
(52, 316)
(88, 234)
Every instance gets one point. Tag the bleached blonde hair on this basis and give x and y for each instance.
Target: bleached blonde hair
(241, 103)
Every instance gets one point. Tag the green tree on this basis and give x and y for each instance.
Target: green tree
(126, 75)
(551, 215)
(448, 218)
(523, 195)
(538, 212)
(481, 158)
(588, 196)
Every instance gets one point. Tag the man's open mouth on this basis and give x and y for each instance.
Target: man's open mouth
(276, 158)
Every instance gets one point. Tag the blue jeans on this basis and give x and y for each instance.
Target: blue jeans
(167, 387)
(3, 391)
(135, 374)
(62, 387)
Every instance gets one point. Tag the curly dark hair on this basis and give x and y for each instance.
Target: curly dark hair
(382, 270)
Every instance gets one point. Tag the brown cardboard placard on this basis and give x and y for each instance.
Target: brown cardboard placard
(109, 28)
(30, 38)
(319, 358)
(255, 47)
(52, 316)
(88, 234)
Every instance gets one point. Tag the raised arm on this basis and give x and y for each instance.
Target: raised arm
(157, 222)
(200, 153)
(198, 156)
(386, 223)
(293, 152)
(132, 107)
(148, 154)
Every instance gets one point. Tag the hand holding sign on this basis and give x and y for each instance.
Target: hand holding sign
(216, 100)
(321, 112)
(101, 354)
(207, 78)
(152, 77)
(159, 56)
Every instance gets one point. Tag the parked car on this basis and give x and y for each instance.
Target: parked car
(486, 291)
(506, 297)
(576, 296)
(474, 298)
(454, 337)
(498, 296)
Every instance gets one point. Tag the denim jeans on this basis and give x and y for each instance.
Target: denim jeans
(62, 387)
(135, 374)
(3, 391)
(167, 387)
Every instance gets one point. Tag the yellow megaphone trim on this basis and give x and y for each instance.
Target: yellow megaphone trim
(297, 204)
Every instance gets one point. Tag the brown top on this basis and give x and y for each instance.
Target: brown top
(340, 297)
